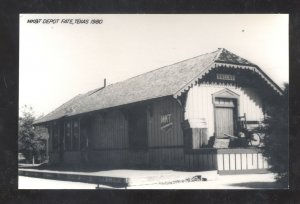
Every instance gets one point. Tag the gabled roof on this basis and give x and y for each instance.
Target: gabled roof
(227, 57)
(170, 80)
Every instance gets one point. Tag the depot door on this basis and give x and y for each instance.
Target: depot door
(225, 117)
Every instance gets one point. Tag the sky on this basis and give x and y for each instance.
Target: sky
(59, 60)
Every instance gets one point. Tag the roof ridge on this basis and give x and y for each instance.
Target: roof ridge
(220, 50)
(171, 65)
(225, 51)
(161, 68)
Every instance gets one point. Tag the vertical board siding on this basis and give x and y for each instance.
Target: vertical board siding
(109, 131)
(244, 161)
(214, 159)
(155, 158)
(250, 161)
(171, 136)
(50, 141)
(210, 161)
(254, 160)
(199, 137)
(241, 161)
(232, 161)
(265, 163)
(191, 161)
(238, 161)
(199, 103)
(71, 157)
(202, 161)
(53, 157)
(226, 162)
(260, 161)
(220, 162)
(110, 136)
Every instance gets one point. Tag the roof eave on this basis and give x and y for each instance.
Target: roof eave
(216, 64)
(193, 82)
(102, 109)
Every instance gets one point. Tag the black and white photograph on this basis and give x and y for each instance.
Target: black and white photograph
(153, 101)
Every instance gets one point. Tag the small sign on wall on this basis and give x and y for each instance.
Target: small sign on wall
(166, 121)
(227, 77)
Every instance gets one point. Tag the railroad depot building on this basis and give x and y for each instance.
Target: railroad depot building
(171, 117)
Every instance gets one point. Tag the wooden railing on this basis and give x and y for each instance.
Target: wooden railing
(227, 161)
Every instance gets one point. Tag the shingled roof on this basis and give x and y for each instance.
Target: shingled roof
(166, 81)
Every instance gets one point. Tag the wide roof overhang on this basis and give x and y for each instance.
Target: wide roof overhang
(214, 65)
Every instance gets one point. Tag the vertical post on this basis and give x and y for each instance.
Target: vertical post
(79, 135)
(245, 121)
(64, 140)
(47, 149)
(47, 141)
(71, 134)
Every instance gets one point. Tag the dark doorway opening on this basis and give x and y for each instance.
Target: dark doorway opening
(61, 141)
(137, 128)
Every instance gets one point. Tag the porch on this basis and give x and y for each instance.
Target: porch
(227, 161)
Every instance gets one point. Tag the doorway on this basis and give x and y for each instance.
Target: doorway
(225, 116)
(137, 128)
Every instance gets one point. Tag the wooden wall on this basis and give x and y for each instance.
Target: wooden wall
(109, 138)
(50, 140)
(109, 131)
(152, 158)
(199, 103)
(53, 157)
(160, 137)
(53, 129)
(201, 161)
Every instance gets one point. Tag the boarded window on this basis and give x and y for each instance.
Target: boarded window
(68, 136)
(75, 135)
(85, 127)
(55, 138)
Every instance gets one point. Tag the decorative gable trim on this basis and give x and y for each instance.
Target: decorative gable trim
(194, 81)
(256, 69)
(225, 93)
(236, 66)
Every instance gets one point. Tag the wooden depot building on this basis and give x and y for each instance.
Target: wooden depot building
(166, 118)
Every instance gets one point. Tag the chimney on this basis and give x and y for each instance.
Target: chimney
(104, 82)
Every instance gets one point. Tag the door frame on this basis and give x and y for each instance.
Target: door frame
(228, 94)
